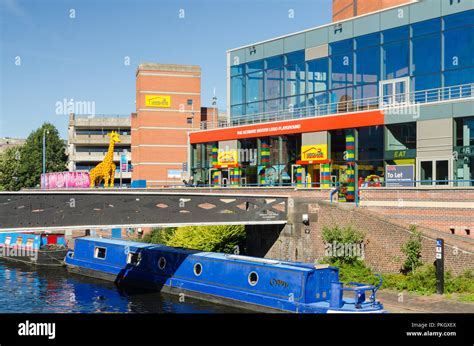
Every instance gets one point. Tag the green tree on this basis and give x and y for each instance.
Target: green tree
(31, 162)
(10, 168)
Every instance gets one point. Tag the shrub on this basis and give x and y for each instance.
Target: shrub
(337, 237)
(224, 238)
(412, 250)
(159, 235)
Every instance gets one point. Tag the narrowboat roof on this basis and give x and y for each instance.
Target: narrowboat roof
(215, 255)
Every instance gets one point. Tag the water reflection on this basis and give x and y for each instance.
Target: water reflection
(30, 289)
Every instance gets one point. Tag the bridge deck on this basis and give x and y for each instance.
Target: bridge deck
(72, 209)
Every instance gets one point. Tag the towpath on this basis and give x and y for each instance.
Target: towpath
(405, 302)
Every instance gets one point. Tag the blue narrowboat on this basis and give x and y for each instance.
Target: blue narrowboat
(33, 248)
(243, 281)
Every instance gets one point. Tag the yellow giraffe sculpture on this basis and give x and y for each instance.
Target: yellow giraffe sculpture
(106, 169)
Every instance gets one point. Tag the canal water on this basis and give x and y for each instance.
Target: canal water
(28, 289)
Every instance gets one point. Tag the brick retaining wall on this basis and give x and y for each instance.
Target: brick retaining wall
(383, 240)
(447, 209)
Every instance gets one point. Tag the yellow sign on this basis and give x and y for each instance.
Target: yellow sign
(227, 158)
(160, 101)
(317, 152)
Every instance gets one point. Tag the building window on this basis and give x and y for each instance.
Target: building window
(236, 70)
(396, 34)
(295, 79)
(237, 90)
(344, 46)
(254, 66)
(458, 20)
(274, 83)
(254, 86)
(426, 54)
(368, 65)
(395, 58)
(295, 57)
(317, 75)
(342, 70)
(425, 82)
(426, 27)
(458, 48)
(369, 40)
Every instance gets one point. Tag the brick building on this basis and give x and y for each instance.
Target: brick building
(168, 107)
(345, 9)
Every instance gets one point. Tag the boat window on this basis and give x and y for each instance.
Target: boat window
(100, 252)
(29, 242)
(197, 269)
(19, 241)
(253, 278)
(8, 240)
(162, 263)
(134, 258)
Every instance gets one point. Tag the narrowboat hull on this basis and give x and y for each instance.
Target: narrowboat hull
(245, 282)
(50, 258)
(172, 290)
(34, 248)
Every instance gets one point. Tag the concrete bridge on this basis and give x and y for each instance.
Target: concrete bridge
(66, 209)
(279, 223)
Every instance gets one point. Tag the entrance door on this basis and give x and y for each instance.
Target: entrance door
(434, 171)
(394, 92)
(225, 181)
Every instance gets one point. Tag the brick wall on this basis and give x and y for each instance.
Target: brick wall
(383, 240)
(450, 210)
(160, 134)
(345, 9)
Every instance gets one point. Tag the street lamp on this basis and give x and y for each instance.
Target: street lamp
(45, 132)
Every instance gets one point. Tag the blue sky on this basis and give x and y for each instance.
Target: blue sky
(82, 58)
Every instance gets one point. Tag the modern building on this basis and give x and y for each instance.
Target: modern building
(384, 94)
(88, 142)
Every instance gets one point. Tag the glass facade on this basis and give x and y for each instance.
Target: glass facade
(433, 53)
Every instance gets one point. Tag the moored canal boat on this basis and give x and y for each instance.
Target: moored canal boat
(243, 281)
(33, 248)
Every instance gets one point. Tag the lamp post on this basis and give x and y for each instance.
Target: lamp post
(45, 132)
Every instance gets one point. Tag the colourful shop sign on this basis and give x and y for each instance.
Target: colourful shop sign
(227, 158)
(158, 101)
(314, 153)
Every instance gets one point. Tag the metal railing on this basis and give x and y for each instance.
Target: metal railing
(348, 106)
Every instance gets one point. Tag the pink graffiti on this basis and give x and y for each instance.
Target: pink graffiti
(65, 180)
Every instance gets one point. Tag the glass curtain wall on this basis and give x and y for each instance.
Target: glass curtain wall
(433, 53)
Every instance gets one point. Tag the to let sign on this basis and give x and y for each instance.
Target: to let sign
(399, 175)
